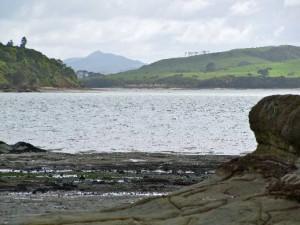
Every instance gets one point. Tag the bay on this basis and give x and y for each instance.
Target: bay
(121, 120)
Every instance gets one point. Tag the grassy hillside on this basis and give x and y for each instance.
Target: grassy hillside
(22, 68)
(256, 63)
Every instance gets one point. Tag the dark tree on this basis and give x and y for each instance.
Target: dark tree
(10, 43)
(23, 42)
(264, 72)
(210, 67)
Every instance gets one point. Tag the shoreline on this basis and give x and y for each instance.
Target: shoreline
(99, 90)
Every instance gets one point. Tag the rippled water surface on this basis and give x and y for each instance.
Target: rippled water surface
(185, 121)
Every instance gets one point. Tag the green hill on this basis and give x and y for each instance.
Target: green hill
(22, 68)
(256, 64)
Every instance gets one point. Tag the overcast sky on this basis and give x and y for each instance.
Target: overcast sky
(148, 30)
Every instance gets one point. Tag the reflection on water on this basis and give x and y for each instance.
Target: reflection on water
(184, 121)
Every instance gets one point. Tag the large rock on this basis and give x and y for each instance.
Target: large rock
(262, 188)
(275, 121)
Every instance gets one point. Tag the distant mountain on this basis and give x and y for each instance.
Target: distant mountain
(239, 68)
(105, 63)
(27, 69)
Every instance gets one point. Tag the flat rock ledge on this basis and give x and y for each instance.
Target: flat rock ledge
(262, 188)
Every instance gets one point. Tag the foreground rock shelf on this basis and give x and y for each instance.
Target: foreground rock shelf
(35, 181)
(103, 172)
(261, 188)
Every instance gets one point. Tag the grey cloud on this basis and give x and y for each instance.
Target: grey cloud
(291, 3)
(148, 30)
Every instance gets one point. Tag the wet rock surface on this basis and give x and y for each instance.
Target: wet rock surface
(15, 206)
(49, 182)
(104, 172)
(261, 188)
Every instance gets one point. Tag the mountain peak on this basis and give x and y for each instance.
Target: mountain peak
(95, 53)
(105, 63)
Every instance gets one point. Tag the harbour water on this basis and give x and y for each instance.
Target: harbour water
(122, 120)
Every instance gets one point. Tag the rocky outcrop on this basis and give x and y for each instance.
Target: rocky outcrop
(262, 188)
(276, 123)
(18, 148)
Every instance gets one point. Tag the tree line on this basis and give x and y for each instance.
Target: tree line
(23, 43)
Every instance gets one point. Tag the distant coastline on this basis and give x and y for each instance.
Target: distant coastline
(255, 68)
(228, 82)
(140, 87)
(265, 67)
